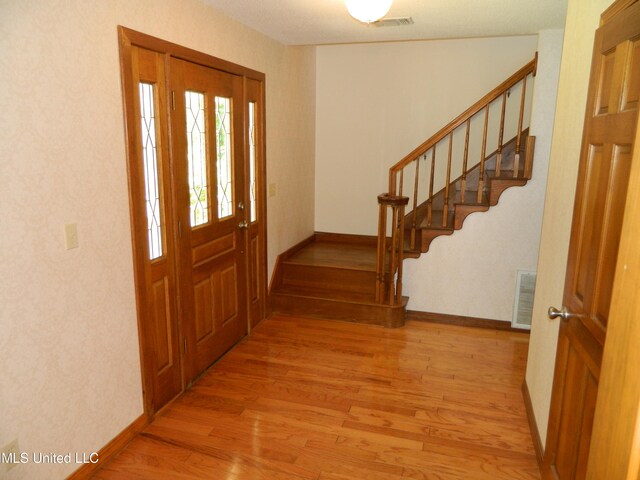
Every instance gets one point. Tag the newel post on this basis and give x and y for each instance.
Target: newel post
(390, 250)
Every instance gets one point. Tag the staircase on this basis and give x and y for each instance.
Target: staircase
(359, 278)
(332, 276)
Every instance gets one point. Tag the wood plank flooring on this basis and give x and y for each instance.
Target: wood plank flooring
(326, 400)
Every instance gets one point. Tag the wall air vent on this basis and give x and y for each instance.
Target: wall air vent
(394, 22)
(523, 305)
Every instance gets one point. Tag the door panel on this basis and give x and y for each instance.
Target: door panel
(152, 207)
(620, 169)
(254, 138)
(603, 178)
(162, 322)
(632, 80)
(208, 152)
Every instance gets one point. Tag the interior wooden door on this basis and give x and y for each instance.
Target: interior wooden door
(209, 183)
(605, 163)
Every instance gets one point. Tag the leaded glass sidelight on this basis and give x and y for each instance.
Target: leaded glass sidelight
(252, 159)
(223, 157)
(150, 166)
(197, 158)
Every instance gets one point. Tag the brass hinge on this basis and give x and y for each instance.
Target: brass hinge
(185, 345)
(173, 100)
(179, 228)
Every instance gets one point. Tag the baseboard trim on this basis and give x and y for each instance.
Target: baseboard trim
(461, 321)
(533, 426)
(111, 449)
(276, 269)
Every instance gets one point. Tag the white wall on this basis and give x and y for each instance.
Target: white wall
(473, 272)
(70, 375)
(377, 102)
(582, 20)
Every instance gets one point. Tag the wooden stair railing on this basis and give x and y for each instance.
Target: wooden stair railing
(469, 191)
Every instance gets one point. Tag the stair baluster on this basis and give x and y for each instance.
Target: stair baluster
(445, 211)
(483, 157)
(415, 204)
(463, 180)
(516, 161)
(433, 170)
(501, 135)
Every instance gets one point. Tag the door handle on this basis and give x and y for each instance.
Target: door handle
(554, 313)
(243, 224)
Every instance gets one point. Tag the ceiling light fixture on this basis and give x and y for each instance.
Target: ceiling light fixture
(368, 11)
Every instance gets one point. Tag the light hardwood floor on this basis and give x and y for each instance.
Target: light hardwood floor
(325, 400)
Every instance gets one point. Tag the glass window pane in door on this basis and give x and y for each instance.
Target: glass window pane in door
(150, 167)
(252, 159)
(197, 158)
(223, 157)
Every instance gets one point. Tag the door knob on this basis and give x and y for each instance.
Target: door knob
(243, 224)
(554, 313)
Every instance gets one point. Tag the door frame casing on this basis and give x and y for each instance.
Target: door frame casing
(129, 38)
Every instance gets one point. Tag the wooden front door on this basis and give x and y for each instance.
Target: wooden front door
(605, 163)
(196, 165)
(209, 182)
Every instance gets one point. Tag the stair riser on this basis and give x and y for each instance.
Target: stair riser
(329, 278)
(351, 312)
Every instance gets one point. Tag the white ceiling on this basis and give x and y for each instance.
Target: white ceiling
(317, 22)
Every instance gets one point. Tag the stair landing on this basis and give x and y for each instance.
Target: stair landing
(332, 276)
(337, 254)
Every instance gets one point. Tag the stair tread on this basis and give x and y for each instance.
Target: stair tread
(336, 255)
(300, 291)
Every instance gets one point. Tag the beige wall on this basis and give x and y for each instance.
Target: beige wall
(473, 272)
(70, 376)
(582, 21)
(377, 102)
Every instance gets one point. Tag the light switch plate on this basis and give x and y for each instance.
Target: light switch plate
(272, 189)
(71, 235)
